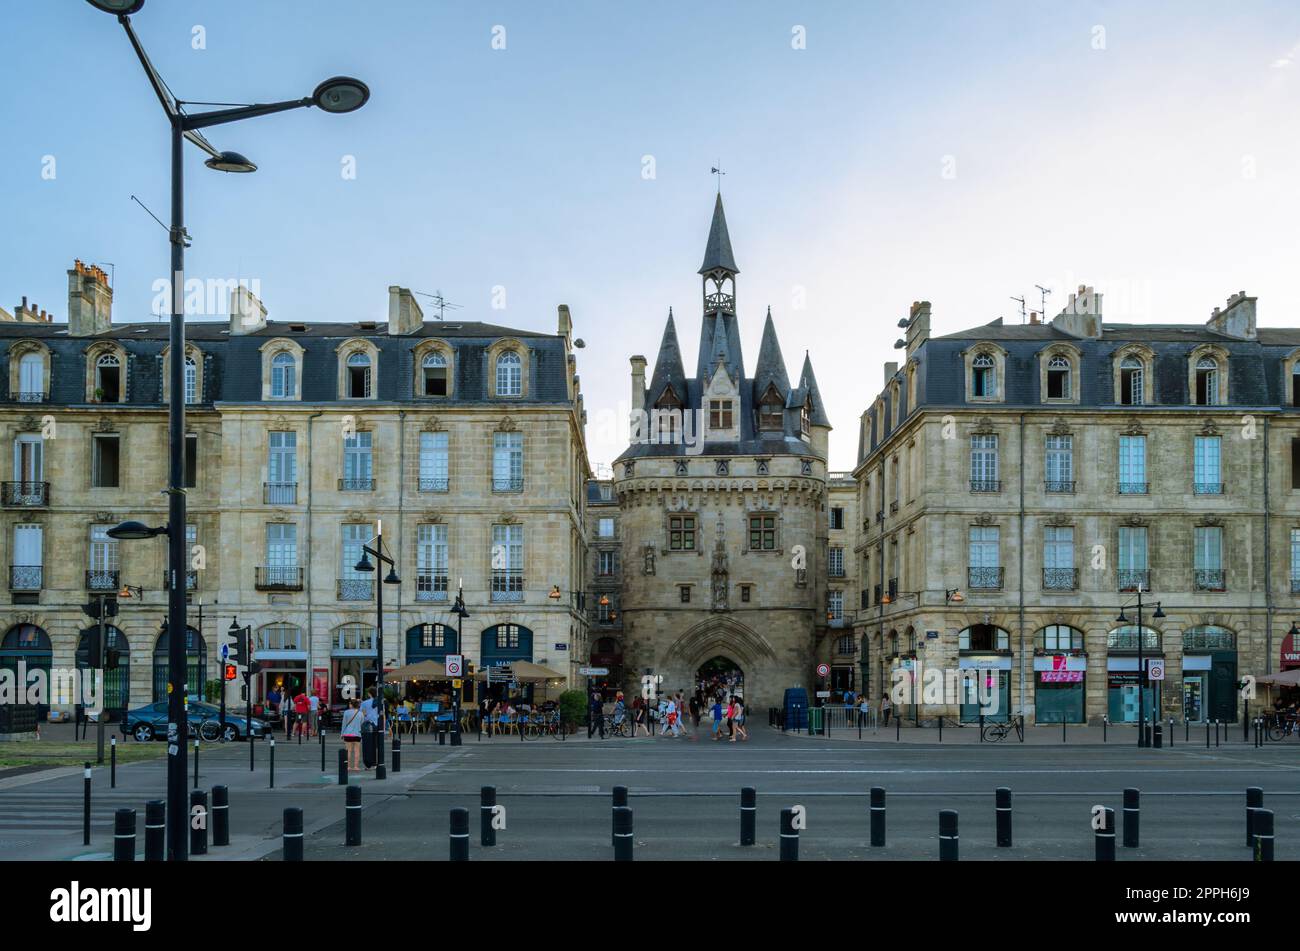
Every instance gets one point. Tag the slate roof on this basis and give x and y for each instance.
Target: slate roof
(668, 369)
(717, 251)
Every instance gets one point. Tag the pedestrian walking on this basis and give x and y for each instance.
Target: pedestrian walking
(638, 717)
(885, 708)
(595, 716)
(864, 709)
(716, 711)
(351, 730)
(739, 719)
(301, 710)
(313, 723)
(681, 713)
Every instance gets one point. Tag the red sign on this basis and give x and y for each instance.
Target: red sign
(231, 673)
(1290, 652)
(1061, 676)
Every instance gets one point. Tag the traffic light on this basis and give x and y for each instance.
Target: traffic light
(94, 649)
(112, 659)
(91, 608)
(231, 672)
(239, 649)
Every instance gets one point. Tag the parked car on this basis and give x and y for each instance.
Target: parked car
(150, 722)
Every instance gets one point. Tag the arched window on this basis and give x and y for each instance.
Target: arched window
(108, 379)
(1058, 378)
(31, 378)
(284, 372)
(983, 637)
(1207, 381)
(1060, 637)
(279, 637)
(191, 380)
(117, 682)
(983, 375)
(1131, 381)
(509, 374)
(196, 664)
(1126, 639)
(435, 374)
(358, 379)
(1208, 637)
(429, 642)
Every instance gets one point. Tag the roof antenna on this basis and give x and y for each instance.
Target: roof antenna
(1021, 302)
(1043, 292)
(439, 302)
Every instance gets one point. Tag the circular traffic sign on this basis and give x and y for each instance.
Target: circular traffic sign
(823, 670)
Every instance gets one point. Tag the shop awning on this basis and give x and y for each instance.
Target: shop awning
(424, 670)
(1288, 678)
(526, 672)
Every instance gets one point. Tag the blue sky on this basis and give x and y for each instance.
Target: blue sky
(955, 152)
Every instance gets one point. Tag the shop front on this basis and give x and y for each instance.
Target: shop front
(1123, 679)
(1290, 659)
(501, 645)
(984, 660)
(1060, 675)
(1209, 674)
(430, 642)
(352, 663)
(196, 664)
(29, 645)
(280, 651)
(117, 682)
(606, 652)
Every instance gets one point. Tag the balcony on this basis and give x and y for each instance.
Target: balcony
(26, 577)
(98, 580)
(1133, 579)
(25, 494)
(984, 578)
(1209, 579)
(507, 586)
(356, 589)
(512, 484)
(985, 485)
(277, 578)
(1058, 487)
(1133, 488)
(356, 485)
(31, 396)
(434, 485)
(280, 493)
(431, 587)
(1126, 639)
(1207, 488)
(1060, 579)
(191, 580)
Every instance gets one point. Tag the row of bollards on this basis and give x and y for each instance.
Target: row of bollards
(155, 826)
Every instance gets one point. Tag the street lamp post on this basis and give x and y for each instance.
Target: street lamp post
(339, 94)
(458, 609)
(364, 565)
(1142, 667)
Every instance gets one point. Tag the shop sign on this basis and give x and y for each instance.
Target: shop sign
(1061, 676)
(1290, 652)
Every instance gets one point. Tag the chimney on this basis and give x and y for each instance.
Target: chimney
(247, 313)
(90, 301)
(404, 313)
(891, 370)
(1033, 317)
(564, 322)
(918, 325)
(638, 383)
(25, 314)
(1237, 319)
(1081, 317)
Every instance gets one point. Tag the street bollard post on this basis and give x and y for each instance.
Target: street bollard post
(322, 751)
(85, 822)
(877, 816)
(352, 817)
(487, 800)
(619, 798)
(1002, 805)
(343, 767)
(273, 762)
(220, 815)
(199, 829)
(623, 840)
(1105, 836)
(124, 835)
(1263, 835)
(1132, 818)
(459, 840)
(948, 840)
(748, 814)
(155, 829)
(397, 754)
(291, 840)
(1254, 801)
(112, 763)
(196, 764)
(789, 837)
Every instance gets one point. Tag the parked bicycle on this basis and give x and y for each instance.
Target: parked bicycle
(997, 731)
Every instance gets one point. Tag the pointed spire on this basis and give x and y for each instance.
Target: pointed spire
(770, 370)
(808, 384)
(668, 366)
(717, 253)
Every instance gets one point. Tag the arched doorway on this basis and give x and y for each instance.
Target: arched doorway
(720, 676)
(116, 698)
(30, 645)
(430, 642)
(607, 652)
(196, 664)
(500, 645)
(984, 659)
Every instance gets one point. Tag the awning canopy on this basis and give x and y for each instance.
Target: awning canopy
(526, 672)
(424, 670)
(1287, 678)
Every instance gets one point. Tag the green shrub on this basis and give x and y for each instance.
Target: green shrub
(573, 706)
(212, 691)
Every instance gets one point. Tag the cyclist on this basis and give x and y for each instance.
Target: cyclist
(620, 713)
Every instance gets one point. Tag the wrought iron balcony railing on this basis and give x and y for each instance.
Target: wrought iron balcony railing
(98, 580)
(356, 589)
(26, 577)
(1207, 488)
(277, 578)
(25, 494)
(984, 578)
(1059, 486)
(1128, 641)
(431, 587)
(1209, 579)
(280, 493)
(1133, 488)
(1060, 579)
(434, 485)
(31, 396)
(512, 484)
(507, 586)
(1131, 579)
(356, 485)
(985, 485)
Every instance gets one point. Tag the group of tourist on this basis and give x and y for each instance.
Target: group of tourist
(300, 711)
(676, 715)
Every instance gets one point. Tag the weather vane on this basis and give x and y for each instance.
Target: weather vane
(718, 172)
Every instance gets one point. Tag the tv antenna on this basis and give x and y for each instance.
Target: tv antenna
(1021, 302)
(1043, 292)
(439, 302)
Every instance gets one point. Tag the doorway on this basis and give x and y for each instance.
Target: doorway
(720, 675)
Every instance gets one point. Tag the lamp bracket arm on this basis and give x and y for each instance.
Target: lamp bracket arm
(159, 87)
(203, 120)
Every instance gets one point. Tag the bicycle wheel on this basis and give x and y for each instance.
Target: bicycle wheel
(1275, 732)
(210, 730)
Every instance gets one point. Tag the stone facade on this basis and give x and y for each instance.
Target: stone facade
(306, 439)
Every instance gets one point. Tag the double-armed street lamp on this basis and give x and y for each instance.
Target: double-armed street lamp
(364, 564)
(1142, 667)
(338, 95)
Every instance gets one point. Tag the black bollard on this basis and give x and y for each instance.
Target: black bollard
(155, 829)
(1105, 836)
(1157, 735)
(124, 835)
(220, 815)
(1254, 800)
(85, 804)
(948, 835)
(1132, 818)
(196, 764)
(199, 828)
(112, 763)
(619, 799)
(397, 754)
(1207, 734)
(1002, 805)
(252, 748)
(442, 736)
(941, 729)
(1062, 729)
(459, 843)
(292, 839)
(789, 837)
(343, 767)
(322, 751)
(487, 799)
(272, 762)
(1187, 730)
(748, 814)
(1171, 732)
(622, 834)
(352, 817)
(1263, 835)
(877, 816)
(1216, 734)
(1105, 728)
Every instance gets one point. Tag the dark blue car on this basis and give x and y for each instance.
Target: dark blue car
(150, 722)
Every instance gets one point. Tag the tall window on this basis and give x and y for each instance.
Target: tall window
(510, 378)
(762, 533)
(102, 566)
(108, 379)
(1059, 463)
(1058, 378)
(191, 470)
(31, 378)
(1058, 558)
(358, 462)
(605, 527)
(431, 558)
(507, 462)
(1295, 560)
(1207, 478)
(771, 414)
(1208, 572)
(434, 462)
(282, 552)
(191, 380)
(507, 562)
(1132, 567)
(606, 563)
(985, 557)
(835, 605)
(358, 379)
(27, 571)
(282, 467)
(284, 373)
(837, 516)
(1207, 381)
(835, 562)
(720, 414)
(355, 585)
(279, 637)
(983, 380)
(435, 374)
(805, 418)
(105, 470)
(29, 465)
(1133, 465)
(681, 533)
(984, 463)
(1131, 376)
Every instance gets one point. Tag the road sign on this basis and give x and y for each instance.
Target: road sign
(593, 671)
(455, 685)
(500, 675)
(225, 651)
(1156, 670)
(455, 664)
(823, 670)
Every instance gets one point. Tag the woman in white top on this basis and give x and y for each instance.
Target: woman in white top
(351, 730)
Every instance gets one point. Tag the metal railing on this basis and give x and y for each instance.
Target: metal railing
(508, 485)
(25, 493)
(984, 578)
(507, 587)
(99, 580)
(356, 589)
(356, 485)
(1133, 488)
(26, 577)
(31, 396)
(1207, 488)
(1060, 579)
(277, 578)
(1059, 486)
(985, 485)
(1128, 641)
(280, 493)
(1209, 579)
(1130, 579)
(431, 587)
(434, 485)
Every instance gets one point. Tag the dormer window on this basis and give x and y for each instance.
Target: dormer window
(983, 378)
(805, 418)
(509, 374)
(1207, 382)
(191, 380)
(284, 370)
(108, 379)
(1131, 379)
(358, 379)
(721, 414)
(435, 374)
(771, 413)
(1058, 378)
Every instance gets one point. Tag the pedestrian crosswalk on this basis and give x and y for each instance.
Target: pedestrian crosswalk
(26, 813)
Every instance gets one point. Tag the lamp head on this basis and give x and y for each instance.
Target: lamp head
(234, 627)
(554, 594)
(364, 564)
(120, 8)
(340, 94)
(230, 162)
(131, 531)
(1123, 618)
(392, 577)
(604, 600)
(1160, 612)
